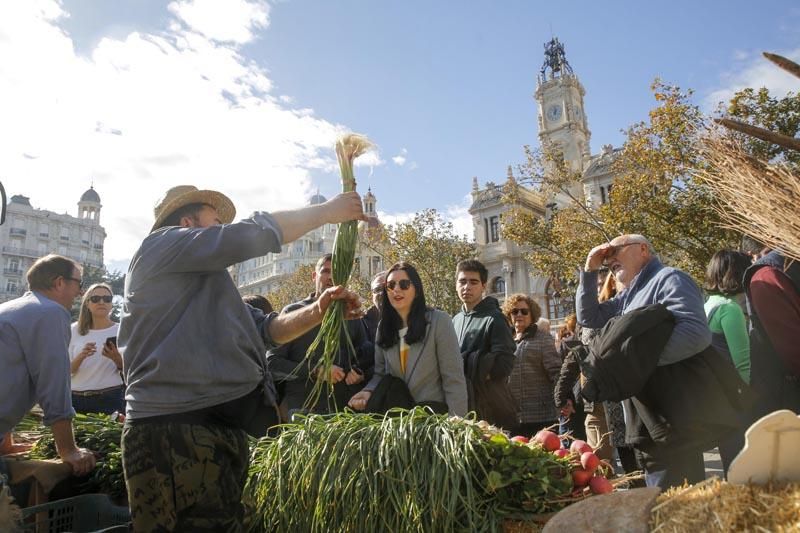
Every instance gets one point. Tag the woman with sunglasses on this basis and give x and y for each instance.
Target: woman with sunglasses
(536, 369)
(417, 344)
(95, 362)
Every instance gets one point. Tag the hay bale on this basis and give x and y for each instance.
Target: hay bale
(715, 505)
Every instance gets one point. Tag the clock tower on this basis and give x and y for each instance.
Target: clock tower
(562, 120)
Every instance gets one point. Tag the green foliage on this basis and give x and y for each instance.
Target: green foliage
(97, 432)
(296, 286)
(655, 194)
(430, 244)
(407, 471)
(780, 115)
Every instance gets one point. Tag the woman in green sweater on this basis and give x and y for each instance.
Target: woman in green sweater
(728, 325)
(726, 319)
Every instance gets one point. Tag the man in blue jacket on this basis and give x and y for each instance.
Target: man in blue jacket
(631, 259)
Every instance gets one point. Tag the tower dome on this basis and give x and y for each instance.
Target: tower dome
(89, 206)
(317, 199)
(90, 196)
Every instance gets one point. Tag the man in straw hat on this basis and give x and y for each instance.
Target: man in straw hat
(194, 363)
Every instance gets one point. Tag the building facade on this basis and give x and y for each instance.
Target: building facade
(263, 275)
(564, 129)
(31, 233)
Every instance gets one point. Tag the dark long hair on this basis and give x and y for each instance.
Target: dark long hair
(390, 321)
(725, 272)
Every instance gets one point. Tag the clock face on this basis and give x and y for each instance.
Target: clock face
(554, 112)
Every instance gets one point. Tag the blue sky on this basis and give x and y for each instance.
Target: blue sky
(247, 97)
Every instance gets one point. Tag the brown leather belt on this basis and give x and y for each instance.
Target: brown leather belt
(95, 392)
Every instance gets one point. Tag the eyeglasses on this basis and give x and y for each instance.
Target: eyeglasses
(377, 290)
(98, 299)
(76, 280)
(612, 251)
(523, 312)
(404, 284)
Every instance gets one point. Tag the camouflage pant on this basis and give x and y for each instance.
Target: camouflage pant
(185, 477)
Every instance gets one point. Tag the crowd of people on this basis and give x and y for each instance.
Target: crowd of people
(648, 370)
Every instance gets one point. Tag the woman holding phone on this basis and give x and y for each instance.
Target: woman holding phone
(95, 362)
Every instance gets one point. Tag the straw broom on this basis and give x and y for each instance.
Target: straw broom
(754, 197)
(348, 148)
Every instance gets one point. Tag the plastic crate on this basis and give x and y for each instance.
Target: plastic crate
(81, 514)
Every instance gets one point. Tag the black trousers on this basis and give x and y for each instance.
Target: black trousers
(665, 469)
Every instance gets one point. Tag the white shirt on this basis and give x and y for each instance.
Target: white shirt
(97, 371)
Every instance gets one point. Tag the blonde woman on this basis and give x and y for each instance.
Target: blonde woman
(95, 362)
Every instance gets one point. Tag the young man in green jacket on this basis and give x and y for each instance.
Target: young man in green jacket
(487, 347)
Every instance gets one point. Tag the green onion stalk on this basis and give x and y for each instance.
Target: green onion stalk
(348, 148)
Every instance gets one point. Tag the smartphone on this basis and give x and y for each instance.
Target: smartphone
(111, 340)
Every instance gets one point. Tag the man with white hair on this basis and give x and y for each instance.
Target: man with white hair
(687, 389)
(632, 261)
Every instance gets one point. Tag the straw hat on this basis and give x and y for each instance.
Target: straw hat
(183, 195)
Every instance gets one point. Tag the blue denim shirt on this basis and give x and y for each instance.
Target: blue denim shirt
(655, 283)
(187, 339)
(34, 363)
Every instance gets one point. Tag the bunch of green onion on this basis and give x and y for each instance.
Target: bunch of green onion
(348, 148)
(406, 471)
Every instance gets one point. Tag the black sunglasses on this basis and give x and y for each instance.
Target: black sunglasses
(377, 290)
(516, 312)
(404, 284)
(98, 299)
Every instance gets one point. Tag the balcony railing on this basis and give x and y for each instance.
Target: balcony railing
(12, 271)
(17, 231)
(24, 252)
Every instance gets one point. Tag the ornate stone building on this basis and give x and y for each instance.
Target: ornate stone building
(31, 233)
(262, 275)
(563, 125)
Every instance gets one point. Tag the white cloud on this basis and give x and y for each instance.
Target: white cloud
(400, 159)
(460, 217)
(394, 218)
(149, 111)
(229, 21)
(457, 214)
(754, 70)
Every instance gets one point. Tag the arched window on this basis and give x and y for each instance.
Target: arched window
(560, 303)
(499, 286)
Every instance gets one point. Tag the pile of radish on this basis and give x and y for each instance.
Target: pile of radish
(587, 468)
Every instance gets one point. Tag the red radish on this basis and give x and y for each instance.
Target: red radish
(600, 485)
(548, 440)
(589, 461)
(580, 477)
(520, 439)
(561, 452)
(579, 447)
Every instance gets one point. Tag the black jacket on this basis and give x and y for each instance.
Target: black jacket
(488, 347)
(570, 372)
(686, 405)
(290, 367)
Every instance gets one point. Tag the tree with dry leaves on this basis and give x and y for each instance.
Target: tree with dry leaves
(429, 243)
(654, 194)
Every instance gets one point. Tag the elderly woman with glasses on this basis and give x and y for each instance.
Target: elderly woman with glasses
(95, 362)
(418, 345)
(536, 369)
